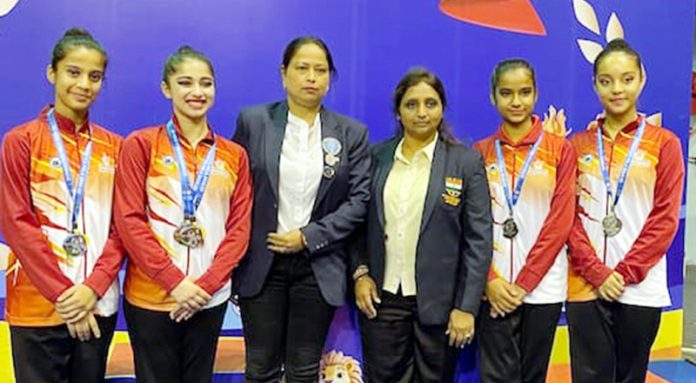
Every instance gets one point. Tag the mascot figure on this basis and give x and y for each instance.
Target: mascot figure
(338, 368)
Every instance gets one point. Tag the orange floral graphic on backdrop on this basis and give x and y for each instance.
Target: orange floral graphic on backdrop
(508, 15)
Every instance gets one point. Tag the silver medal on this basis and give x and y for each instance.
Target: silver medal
(611, 224)
(189, 234)
(510, 229)
(75, 244)
(331, 145)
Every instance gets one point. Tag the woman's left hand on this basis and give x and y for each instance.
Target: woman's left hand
(286, 243)
(460, 328)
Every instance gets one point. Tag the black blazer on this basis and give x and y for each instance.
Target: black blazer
(340, 206)
(454, 248)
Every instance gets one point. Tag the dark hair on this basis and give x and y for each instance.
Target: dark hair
(412, 78)
(184, 52)
(297, 43)
(73, 38)
(507, 65)
(618, 45)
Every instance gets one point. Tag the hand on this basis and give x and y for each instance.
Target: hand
(519, 291)
(180, 314)
(366, 296)
(85, 328)
(75, 303)
(286, 243)
(612, 288)
(460, 328)
(504, 297)
(189, 295)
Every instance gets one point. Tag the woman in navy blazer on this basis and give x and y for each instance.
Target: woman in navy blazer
(310, 169)
(420, 277)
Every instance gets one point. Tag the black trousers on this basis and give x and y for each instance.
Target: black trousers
(517, 347)
(167, 351)
(398, 348)
(50, 355)
(285, 324)
(610, 341)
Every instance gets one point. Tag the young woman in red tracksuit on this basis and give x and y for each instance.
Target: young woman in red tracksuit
(182, 207)
(531, 174)
(56, 188)
(630, 178)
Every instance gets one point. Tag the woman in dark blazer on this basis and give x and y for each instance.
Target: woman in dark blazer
(310, 170)
(420, 277)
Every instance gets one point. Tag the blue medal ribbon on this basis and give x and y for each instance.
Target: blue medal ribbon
(627, 163)
(192, 195)
(512, 199)
(76, 193)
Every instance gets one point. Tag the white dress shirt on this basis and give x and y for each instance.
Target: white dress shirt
(300, 172)
(404, 200)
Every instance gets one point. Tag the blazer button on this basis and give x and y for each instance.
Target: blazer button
(275, 205)
(386, 237)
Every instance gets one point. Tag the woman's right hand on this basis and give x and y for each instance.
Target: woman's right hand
(85, 328)
(189, 295)
(503, 298)
(366, 296)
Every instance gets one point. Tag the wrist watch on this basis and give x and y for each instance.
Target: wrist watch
(360, 272)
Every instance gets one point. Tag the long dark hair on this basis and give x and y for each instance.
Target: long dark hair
(510, 64)
(412, 78)
(298, 42)
(171, 65)
(618, 45)
(73, 38)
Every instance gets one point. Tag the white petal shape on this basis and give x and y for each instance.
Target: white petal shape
(6, 6)
(4, 254)
(590, 49)
(586, 15)
(655, 119)
(614, 28)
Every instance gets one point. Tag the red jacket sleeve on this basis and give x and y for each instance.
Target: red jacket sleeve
(662, 223)
(491, 274)
(583, 257)
(554, 233)
(238, 229)
(17, 216)
(130, 203)
(108, 264)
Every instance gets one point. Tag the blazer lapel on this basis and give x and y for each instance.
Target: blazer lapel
(274, 142)
(437, 180)
(385, 161)
(329, 128)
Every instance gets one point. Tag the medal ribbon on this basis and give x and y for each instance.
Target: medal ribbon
(512, 199)
(76, 193)
(627, 163)
(192, 195)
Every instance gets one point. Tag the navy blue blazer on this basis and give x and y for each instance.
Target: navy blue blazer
(340, 206)
(454, 248)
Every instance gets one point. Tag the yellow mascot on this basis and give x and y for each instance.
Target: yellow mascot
(338, 368)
